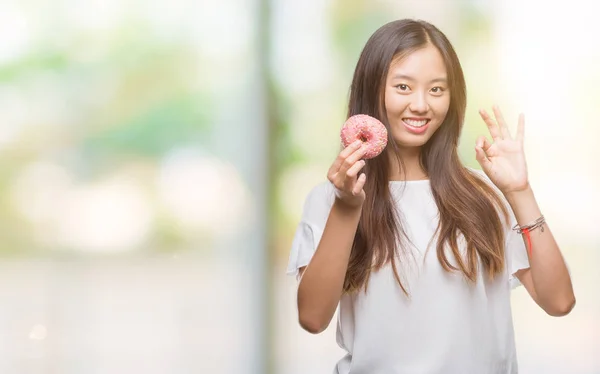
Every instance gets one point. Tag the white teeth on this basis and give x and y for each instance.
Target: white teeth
(414, 123)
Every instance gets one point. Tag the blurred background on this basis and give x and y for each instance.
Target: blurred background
(155, 156)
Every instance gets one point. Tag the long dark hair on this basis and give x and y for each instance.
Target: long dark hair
(467, 205)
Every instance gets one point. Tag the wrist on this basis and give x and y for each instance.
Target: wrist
(515, 197)
(346, 208)
(523, 205)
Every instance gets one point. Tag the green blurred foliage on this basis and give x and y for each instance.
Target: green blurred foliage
(130, 99)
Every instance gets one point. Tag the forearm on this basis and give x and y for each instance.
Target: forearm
(322, 282)
(549, 272)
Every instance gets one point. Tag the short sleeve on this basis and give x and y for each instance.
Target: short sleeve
(514, 248)
(308, 234)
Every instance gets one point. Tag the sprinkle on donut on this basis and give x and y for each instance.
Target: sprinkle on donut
(367, 129)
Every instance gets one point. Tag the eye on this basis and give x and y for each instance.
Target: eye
(402, 87)
(437, 90)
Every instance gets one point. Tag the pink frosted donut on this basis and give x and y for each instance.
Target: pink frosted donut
(367, 129)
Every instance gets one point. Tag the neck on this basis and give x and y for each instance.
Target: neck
(411, 170)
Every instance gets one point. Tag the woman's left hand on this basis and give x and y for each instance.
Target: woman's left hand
(503, 160)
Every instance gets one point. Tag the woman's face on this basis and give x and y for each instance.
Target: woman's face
(417, 96)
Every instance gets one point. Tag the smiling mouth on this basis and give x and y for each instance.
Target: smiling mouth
(415, 123)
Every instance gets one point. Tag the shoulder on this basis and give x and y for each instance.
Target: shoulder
(318, 202)
(504, 203)
(481, 175)
(321, 194)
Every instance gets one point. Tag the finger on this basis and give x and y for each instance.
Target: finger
(342, 156)
(360, 183)
(351, 160)
(483, 143)
(501, 122)
(353, 171)
(351, 148)
(349, 179)
(521, 128)
(482, 158)
(491, 124)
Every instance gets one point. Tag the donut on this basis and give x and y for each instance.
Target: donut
(367, 129)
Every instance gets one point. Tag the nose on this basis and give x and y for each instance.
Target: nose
(419, 103)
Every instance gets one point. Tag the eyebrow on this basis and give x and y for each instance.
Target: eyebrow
(408, 77)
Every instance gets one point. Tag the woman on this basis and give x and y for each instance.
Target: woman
(418, 251)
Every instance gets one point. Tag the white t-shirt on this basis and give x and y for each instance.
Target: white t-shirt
(446, 326)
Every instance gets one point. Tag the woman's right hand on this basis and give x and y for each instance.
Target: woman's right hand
(343, 173)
